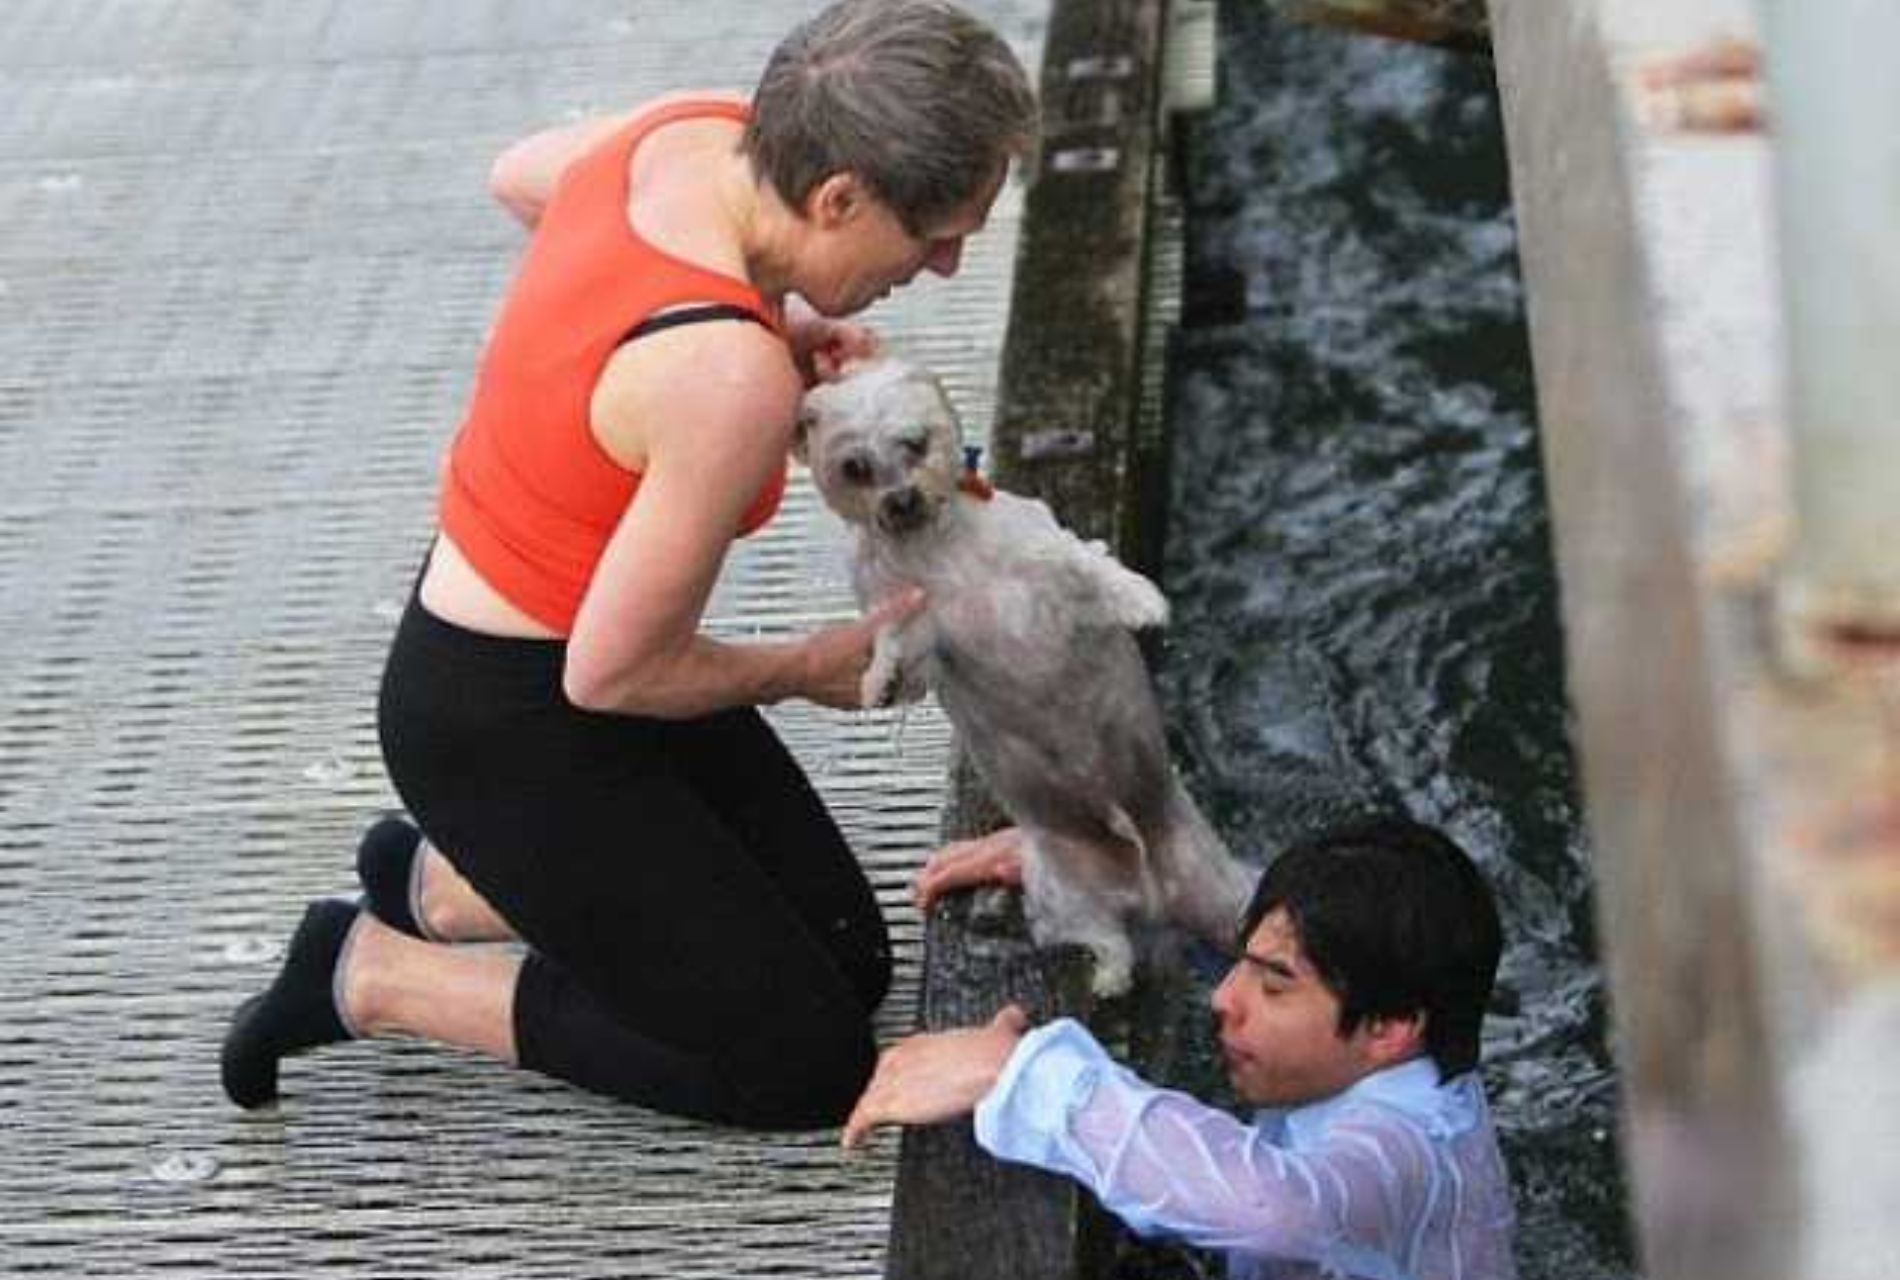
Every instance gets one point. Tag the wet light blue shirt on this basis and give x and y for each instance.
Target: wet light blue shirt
(1396, 1178)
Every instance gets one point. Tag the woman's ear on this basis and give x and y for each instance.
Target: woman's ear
(835, 201)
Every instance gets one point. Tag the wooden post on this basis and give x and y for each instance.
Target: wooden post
(1069, 383)
(1838, 181)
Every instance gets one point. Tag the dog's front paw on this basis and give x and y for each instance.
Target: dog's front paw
(890, 679)
(878, 686)
(893, 688)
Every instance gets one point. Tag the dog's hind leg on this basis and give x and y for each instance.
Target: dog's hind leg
(1075, 892)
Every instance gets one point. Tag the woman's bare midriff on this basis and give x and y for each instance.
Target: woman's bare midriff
(455, 593)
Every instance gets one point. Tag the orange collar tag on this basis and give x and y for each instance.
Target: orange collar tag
(972, 481)
(976, 486)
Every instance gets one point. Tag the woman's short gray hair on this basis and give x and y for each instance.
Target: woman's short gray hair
(919, 100)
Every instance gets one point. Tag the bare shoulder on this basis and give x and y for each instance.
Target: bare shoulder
(712, 386)
(673, 200)
(523, 176)
(694, 95)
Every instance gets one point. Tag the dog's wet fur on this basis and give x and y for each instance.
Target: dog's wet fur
(1027, 640)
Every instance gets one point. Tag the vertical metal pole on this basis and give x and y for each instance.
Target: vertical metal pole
(1835, 106)
(1747, 823)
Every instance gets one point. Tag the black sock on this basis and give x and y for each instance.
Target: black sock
(296, 1012)
(386, 867)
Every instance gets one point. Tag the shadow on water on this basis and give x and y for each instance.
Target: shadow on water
(1365, 604)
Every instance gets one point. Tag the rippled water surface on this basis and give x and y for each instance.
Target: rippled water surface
(1366, 610)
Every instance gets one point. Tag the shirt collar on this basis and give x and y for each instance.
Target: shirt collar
(1412, 1088)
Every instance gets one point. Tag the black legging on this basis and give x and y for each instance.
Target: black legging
(701, 939)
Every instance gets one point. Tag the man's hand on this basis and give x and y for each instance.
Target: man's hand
(996, 858)
(931, 1078)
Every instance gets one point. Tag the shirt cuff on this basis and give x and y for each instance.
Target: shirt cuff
(1049, 1077)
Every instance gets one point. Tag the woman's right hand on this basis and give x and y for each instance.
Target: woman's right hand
(836, 657)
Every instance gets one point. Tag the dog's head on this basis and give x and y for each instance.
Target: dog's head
(883, 444)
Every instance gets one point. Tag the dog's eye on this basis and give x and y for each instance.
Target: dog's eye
(914, 447)
(855, 470)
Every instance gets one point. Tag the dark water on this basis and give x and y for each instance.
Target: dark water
(1358, 553)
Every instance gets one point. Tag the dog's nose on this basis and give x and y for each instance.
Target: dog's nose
(903, 508)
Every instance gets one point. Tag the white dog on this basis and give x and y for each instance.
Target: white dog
(1025, 637)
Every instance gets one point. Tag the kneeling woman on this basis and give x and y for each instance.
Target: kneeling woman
(587, 771)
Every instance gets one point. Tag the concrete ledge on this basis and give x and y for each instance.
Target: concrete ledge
(1069, 429)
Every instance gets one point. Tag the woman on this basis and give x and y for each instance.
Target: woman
(589, 773)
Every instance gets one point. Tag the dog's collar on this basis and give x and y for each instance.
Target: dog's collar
(972, 481)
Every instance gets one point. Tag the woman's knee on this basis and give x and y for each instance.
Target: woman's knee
(869, 971)
(814, 1085)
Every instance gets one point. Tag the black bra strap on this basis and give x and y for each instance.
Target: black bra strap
(693, 315)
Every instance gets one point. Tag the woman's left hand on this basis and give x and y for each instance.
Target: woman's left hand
(823, 346)
(843, 342)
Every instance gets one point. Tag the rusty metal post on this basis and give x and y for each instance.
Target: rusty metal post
(1836, 105)
(1729, 543)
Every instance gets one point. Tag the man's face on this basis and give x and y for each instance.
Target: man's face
(1279, 1024)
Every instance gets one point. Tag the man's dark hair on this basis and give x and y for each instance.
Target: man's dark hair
(1398, 920)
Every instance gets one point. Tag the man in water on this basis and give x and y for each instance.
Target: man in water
(1351, 1018)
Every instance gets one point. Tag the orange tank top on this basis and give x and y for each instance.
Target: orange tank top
(528, 494)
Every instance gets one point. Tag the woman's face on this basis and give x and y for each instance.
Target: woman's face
(862, 250)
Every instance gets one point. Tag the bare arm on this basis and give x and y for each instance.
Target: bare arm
(523, 177)
(719, 401)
